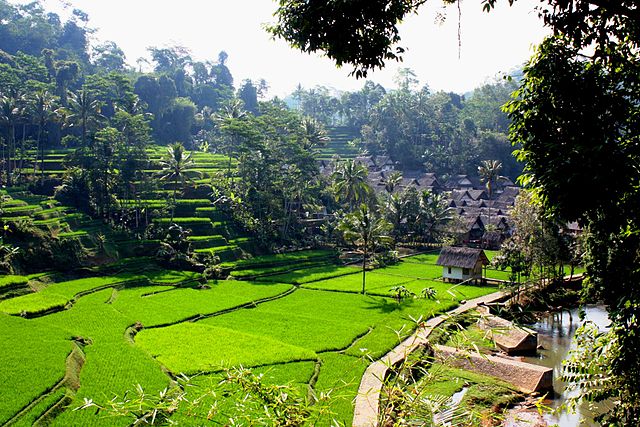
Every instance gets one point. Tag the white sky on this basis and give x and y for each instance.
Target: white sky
(492, 43)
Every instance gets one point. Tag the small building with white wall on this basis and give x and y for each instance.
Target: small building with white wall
(460, 264)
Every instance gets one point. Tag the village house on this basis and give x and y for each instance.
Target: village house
(460, 264)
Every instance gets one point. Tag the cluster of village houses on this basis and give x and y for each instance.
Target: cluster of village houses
(482, 218)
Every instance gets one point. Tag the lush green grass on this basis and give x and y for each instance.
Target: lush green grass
(287, 373)
(281, 259)
(196, 347)
(32, 357)
(427, 258)
(200, 242)
(21, 210)
(317, 320)
(376, 283)
(11, 280)
(472, 338)
(283, 337)
(414, 270)
(171, 276)
(40, 408)
(179, 304)
(13, 203)
(295, 329)
(340, 376)
(183, 220)
(304, 275)
(113, 364)
(58, 295)
(33, 303)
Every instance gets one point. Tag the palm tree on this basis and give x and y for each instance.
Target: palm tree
(83, 111)
(433, 212)
(313, 133)
(489, 172)
(350, 183)
(9, 116)
(41, 108)
(174, 168)
(396, 212)
(367, 231)
(393, 181)
(227, 120)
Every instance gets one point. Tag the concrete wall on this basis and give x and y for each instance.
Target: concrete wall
(456, 274)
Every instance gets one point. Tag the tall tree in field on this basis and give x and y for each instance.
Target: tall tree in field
(368, 231)
(175, 166)
(350, 183)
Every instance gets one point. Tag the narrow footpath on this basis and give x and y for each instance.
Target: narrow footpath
(367, 404)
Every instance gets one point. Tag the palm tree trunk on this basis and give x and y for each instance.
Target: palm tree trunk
(364, 267)
(175, 190)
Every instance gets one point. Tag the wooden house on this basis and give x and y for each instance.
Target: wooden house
(460, 264)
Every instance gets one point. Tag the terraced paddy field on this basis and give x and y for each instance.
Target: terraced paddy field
(306, 325)
(211, 231)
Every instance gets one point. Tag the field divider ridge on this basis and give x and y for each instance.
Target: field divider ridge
(199, 316)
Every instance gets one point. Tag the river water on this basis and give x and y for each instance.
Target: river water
(555, 333)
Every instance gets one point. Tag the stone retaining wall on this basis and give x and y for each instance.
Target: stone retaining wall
(525, 376)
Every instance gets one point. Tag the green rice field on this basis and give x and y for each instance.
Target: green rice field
(303, 323)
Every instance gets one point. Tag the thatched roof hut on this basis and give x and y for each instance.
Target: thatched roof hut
(461, 257)
(459, 264)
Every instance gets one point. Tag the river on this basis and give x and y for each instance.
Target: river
(555, 334)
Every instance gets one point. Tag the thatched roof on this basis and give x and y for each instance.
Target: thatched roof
(461, 257)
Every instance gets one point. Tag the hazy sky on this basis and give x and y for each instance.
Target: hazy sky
(492, 43)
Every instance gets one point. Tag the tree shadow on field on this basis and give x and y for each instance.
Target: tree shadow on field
(385, 305)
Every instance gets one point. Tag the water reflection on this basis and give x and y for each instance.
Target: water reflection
(555, 333)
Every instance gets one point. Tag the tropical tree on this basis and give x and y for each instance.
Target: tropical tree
(433, 215)
(175, 166)
(392, 182)
(350, 183)
(230, 122)
(489, 172)
(314, 134)
(396, 212)
(84, 112)
(368, 231)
